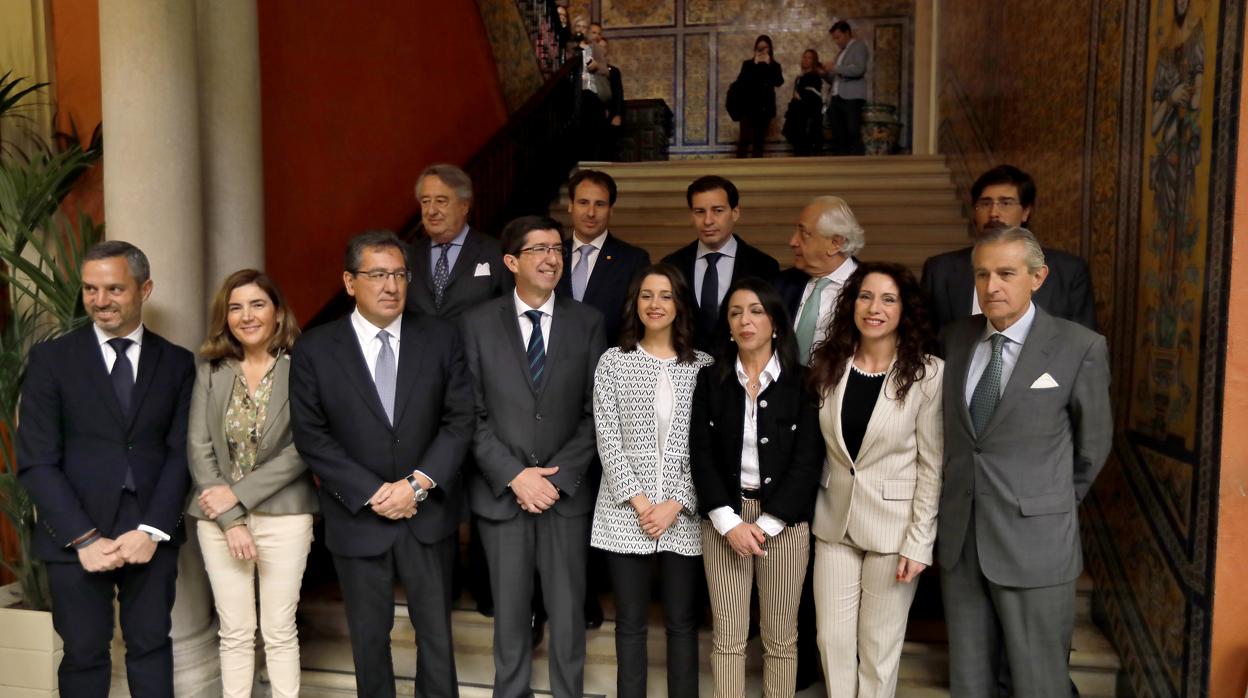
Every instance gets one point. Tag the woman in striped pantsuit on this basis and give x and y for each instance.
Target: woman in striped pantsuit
(875, 517)
(755, 449)
(646, 514)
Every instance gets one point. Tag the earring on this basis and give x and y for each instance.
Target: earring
(773, 335)
(732, 339)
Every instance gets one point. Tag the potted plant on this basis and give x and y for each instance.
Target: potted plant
(40, 252)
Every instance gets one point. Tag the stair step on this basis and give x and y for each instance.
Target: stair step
(677, 215)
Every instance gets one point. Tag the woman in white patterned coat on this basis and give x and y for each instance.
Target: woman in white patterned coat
(647, 512)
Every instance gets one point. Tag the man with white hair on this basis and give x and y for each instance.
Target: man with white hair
(824, 244)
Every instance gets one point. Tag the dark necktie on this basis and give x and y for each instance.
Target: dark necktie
(536, 351)
(709, 302)
(441, 275)
(988, 391)
(122, 378)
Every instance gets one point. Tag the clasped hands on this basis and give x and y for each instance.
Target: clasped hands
(654, 519)
(395, 500)
(534, 493)
(130, 548)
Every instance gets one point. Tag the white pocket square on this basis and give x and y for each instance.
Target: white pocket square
(483, 269)
(1043, 382)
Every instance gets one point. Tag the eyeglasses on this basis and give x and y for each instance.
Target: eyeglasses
(378, 276)
(986, 204)
(543, 250)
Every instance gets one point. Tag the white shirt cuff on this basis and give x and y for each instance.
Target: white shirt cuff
(770, 525)
(432, 484)
(155, 532)
(724, 519)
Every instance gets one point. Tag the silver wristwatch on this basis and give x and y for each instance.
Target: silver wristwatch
(419, 494)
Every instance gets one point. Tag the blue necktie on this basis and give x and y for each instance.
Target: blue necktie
(709, 302)
(536, 351)
(122, 378)
(988, 391)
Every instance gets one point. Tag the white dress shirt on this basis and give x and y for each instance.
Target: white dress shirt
(664, 407)
(578, 249)
(724, 519)
(133, 352)
(366, 334)
(1015, 337)
(723, 267)
(526, 326)
(827, 302)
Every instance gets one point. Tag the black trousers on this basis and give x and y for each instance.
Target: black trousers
(82, 613)
(845, 119)
(679, 582)
(753, 134)
(368, 593)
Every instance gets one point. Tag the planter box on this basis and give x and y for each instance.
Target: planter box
(30, 650)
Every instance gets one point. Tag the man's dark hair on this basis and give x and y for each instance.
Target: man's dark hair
(140, 269)
(366, 240)
(843, 27)
(707, 183)
(598, 177)
(1007, 174)
(514, 233)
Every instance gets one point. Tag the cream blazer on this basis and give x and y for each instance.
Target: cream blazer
(886, 500)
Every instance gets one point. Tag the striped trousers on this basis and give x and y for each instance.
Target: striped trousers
(730, 580)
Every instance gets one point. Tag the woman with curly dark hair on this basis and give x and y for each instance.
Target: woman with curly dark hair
(875, 515)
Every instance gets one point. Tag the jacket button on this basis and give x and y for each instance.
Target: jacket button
(762, 403)
(969, 492)
(978, 450)
(538, 416)
(793, 428)
(852, 472)
(767, 481)
(763, 440)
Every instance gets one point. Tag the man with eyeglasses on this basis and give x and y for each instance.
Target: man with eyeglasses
(532, 355)
(1004, 197)
(381, 409)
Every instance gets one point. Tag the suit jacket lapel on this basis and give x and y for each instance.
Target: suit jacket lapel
(511, 333)
(1031, 363)
(604, 267)
(97, 372)
(960, 350)
(409, 365)
(874, 422)
(149, 360)
(351, 359)
(467, 258)
(838, 401)
(280, 395)
(420, 262)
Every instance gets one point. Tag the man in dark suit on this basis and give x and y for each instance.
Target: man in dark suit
(1004, 197)
(717, 258)
(381, 408)
(533, 356)
(1027, 429)
(455, 267)
(599, 265)
(102, 451)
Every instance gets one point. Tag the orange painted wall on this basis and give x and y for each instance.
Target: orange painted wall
(1228, 665)
(356, 102)
(74, 28)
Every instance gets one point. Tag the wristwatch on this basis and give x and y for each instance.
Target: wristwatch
(420, 494)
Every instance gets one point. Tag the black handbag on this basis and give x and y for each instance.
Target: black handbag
(735, 101)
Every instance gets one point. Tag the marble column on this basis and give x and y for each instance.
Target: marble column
(228, 46)
(153, 198)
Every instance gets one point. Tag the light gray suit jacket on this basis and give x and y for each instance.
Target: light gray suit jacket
(1023, 478)
(886, 499)
(280, 483)
(850, 76)
(521, 425)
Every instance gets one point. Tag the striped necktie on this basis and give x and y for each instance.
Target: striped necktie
(536, 351)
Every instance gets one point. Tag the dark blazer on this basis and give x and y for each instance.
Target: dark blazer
(607, 291)
(73, 445)
(343, 435)
(615, 106)
(759, 81)
(790, 445)
(519, 425)
(750, 261)
(949, 280)
(791, 283)
(467, 287)
(1024, 476)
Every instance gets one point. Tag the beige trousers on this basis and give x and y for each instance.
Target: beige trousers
(730, 579)
(861, 612)
(282, 545)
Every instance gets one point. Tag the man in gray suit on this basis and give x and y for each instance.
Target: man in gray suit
(533, 355)
(849, 91)
(1027, 428)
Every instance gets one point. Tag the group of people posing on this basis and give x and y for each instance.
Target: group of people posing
(703, 418)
